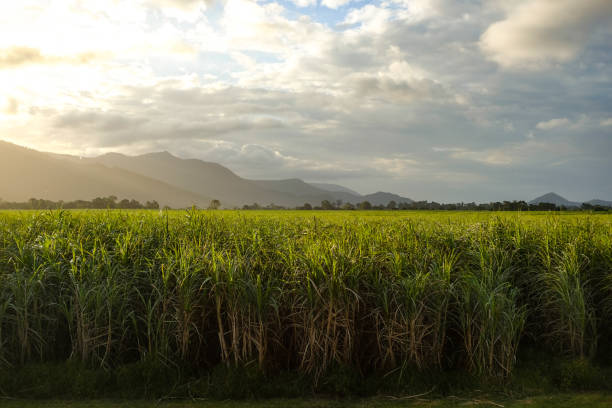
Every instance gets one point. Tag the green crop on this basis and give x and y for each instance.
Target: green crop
(306, 291)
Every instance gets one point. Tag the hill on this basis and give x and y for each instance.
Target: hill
(334, 188)
(381, 198)
(27, 173)
(308, 192)
(160, 176)
(603, 203)
(214, 180)
(293, 186)
(554, 198)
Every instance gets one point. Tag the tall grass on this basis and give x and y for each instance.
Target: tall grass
(298, 291)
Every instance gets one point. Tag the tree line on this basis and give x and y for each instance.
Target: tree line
(97, 203)
(432, 205)
(112, 202)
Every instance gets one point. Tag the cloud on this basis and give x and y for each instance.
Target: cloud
(536, 33)
(370, 17)
(513, 154)
(391, 90)
(304, 3)
(172, 124)
(395, 95)
(553, 123)
(182, 10)
(12, 106)
(97, 121)
(182, 4)
(17, 56)
(398, 166)
(335, 4)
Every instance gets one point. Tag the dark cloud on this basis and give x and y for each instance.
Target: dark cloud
(392, 90)
(97, 121)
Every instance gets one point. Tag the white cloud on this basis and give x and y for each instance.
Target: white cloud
(182, 10)
(509, 154)
(538, 32)
(397, 166)
(304, 3)
(553, 123)
(417, 10)
(283, 93)
(12, 106)
(370, 17)
(335, 4)
(68, 30)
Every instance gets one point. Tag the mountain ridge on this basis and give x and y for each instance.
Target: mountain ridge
(27, 173)
(554, 198)
(216, 180)
(160, 176)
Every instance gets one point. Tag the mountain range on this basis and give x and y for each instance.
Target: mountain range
(556, 199)
(172, 181)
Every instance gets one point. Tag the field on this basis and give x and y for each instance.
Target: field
(194, 302)
(582, 400)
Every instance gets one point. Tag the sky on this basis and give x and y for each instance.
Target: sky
(446, 100)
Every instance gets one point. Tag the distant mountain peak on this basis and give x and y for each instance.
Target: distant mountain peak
(554, 195)
(113, 154)
(554, 198)
(161, 155)
(381, 197)
(335, 188)
(27, 173)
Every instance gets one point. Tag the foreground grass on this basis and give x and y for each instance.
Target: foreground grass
(594, 400)
(234, 304)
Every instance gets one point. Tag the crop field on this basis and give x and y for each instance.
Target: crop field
(304, 292)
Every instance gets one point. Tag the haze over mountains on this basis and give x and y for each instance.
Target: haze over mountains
(26, 173)
(171, 181)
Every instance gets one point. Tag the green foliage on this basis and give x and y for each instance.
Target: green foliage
(56, 380)
(160, 299)
(581, 374)
(149, 378)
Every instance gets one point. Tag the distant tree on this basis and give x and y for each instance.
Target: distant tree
(338, 203)
(392, 205)
(97, 202)
(152, 205)
(307, 206)
(214, 205)
(326, 205)
(405, 206)
(365, 205)
(348, 206)
(255, 206)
